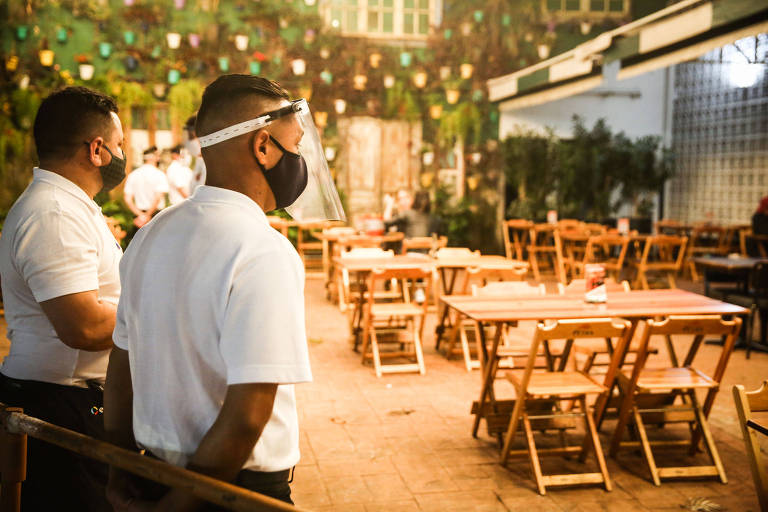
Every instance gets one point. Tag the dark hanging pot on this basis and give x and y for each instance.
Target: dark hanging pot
(131, 63)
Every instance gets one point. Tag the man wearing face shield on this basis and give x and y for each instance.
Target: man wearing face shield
(60, 282)
(212, 340)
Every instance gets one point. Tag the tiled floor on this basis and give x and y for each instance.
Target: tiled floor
(403, 442)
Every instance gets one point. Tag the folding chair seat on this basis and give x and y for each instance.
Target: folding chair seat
(393, 322)
(546, 395)
(651, 395)
(661, 254)
(748, 402)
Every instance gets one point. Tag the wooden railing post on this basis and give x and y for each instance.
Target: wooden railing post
(13, 463)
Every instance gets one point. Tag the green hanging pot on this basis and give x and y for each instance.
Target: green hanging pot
(494, 116)
(61, 35)
(448, 33)
(156, 52)
(478, 15)
(174, 75)
(255, 67)
(326, 76)
(405, 59)
(130, 37)
(477, 95)
(105, 50)
(506, 20)
(224, 64)
(22, 31)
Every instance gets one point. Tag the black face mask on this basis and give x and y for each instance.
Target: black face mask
(112, 173)
(288, 178)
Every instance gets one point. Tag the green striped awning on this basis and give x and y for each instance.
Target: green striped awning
(681, 32)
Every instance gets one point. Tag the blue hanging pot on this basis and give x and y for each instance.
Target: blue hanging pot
(131, 63)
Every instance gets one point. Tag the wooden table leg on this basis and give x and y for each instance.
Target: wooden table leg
(440, 329)
(617, 361)
(487, 374)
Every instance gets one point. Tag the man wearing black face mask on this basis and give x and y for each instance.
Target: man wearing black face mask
(59, 266)
(224, 317)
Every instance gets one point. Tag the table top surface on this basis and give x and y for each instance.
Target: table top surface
(726, 263)
(416, 260)
(357, 237)
(634, 304)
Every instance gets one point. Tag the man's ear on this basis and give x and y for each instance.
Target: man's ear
(259, 146)
(96, 152)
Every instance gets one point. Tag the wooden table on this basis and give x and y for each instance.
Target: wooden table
(364, 266)
(737, 267)
(449, 268)
(634, 306)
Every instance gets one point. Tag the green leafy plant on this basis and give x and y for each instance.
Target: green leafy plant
(184, 99)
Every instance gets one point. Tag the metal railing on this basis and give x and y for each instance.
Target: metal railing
(15, 426)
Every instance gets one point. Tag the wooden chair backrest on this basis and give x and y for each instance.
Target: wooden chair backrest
(578, 286)
(509, 288)
(572, 330)
(761, 241)
(485, 275)
(569, 224)
(748, 402)
(456, 252)
(670, 250)
(544, 235)
(424, 242)
(707, 235)
(600, 248)
(400, 276)
(594, 228)
(520, 228)
(340, 230)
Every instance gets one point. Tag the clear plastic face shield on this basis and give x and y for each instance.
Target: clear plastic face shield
(319, 200)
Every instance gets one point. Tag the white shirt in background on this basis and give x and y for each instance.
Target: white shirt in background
(180, 177)
(212, 296)
(55, 242)
(146, 184)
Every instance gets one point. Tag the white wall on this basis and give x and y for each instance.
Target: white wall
(637, 106)
(140, 142)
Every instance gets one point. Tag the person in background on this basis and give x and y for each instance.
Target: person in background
(760, 218)
(180, 177)
(145, 188)
(412, 214)
(60, 282)
(193, 149)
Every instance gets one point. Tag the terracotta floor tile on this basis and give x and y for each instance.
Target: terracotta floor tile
(409, 505)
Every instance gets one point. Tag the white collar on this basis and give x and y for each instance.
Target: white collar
(209, 194)
(59, 181)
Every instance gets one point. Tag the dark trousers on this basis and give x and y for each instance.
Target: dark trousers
(275, 485)
(59, 479)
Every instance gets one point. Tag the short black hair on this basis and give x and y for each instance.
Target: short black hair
(223, 100)
(176, 150)
(150, 150)
(69, 117)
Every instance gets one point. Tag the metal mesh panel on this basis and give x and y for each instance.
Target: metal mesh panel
(720, 135)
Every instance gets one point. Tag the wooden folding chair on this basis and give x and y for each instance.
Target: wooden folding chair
(380, 322)
(705, 240)
(654, 391)
(515, 233)
(746, 404)
(608, 251)
(544, 240)
(429, 244)
(347, 296)
(504, 282)
(309, 247)
(661, 254)
(541, 394)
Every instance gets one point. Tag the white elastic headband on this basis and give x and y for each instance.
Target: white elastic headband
(233, 131)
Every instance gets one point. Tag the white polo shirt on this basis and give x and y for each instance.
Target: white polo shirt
(180, 177)
(55, 242)
(212, 296)
(145, 184)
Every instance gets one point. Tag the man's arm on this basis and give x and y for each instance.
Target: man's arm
(230, 440)
(81, 320)
(128, 198)
(118, 423)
